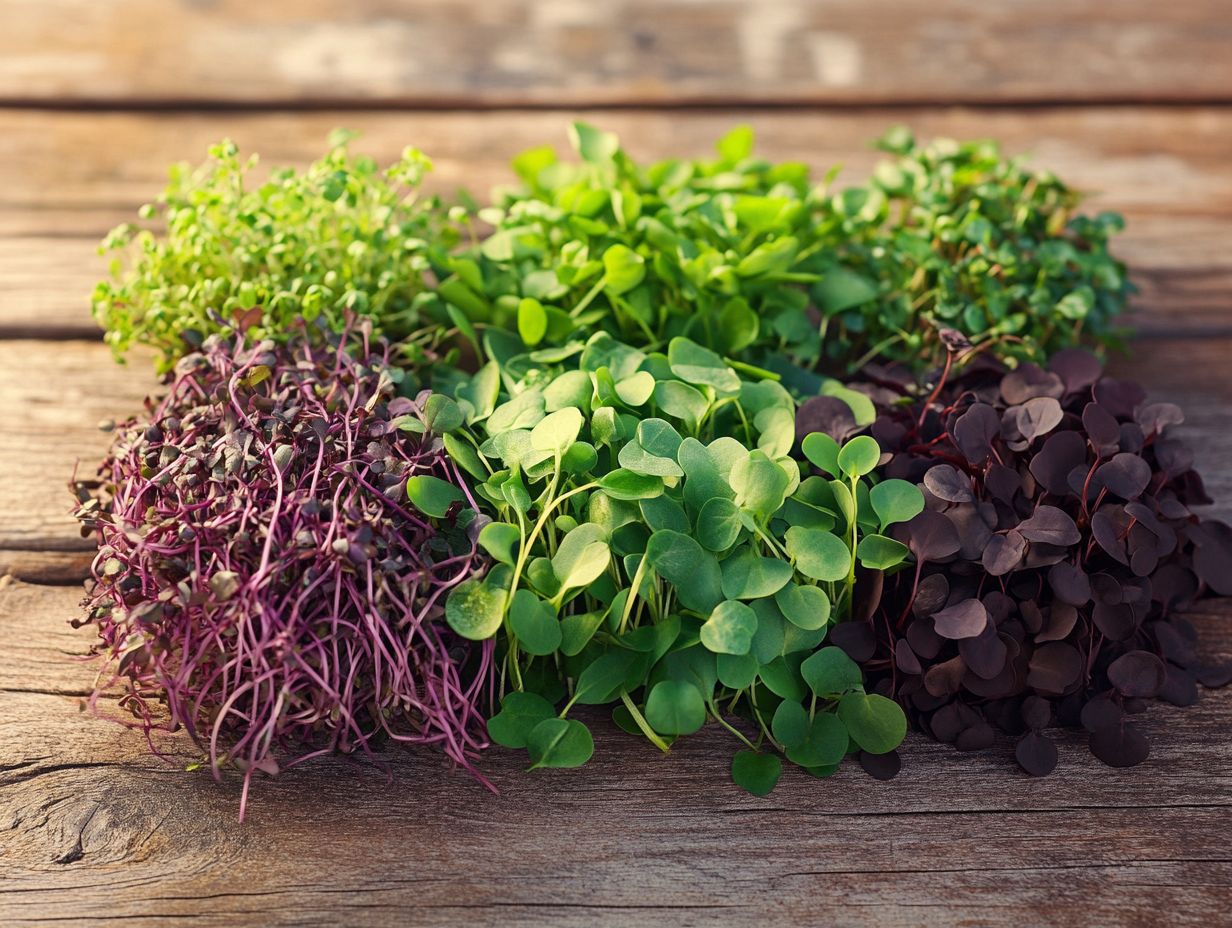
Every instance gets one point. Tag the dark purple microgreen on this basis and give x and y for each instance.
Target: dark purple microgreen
(261, 575)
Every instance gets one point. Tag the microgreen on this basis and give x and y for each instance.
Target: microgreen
(753, 261)
(668, 559)
(226, 251)
(1058, 545)
(260, 574)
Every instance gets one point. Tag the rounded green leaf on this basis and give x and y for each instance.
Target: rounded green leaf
(719, 524)
(790, 723)
(806, 607)
(875, 723)
(675, 707)
(475, 610)
(605, 676)
(730, 628)
(825, 742)
(697, 365)
(760, 484)
(830, 672)
(431, 495)
(576, 631)
(626, 485)
(519, 714)
(896, 501)
(623, 269)
(534, 623)
(818, 554)
(635, 389)
(822, 452)
(500, 540)
(686, 403)
(558, 430)
(559, 743)
(441, 414)
(877, 552)
(749, 575)
(635, 458)
(532, 321)
(692, 570)
(737, 671)
(581, 458)
(859, 456)
(755, 772)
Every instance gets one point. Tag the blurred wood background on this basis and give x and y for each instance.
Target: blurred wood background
(1129, 100)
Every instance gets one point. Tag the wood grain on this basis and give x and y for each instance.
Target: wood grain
(96, 828)
(630, 52)
(1166, 170)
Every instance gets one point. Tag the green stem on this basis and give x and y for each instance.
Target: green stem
(632, 597)
(649, 732)
(851, 574)
(718, 717)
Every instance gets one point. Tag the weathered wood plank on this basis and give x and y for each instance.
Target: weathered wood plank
(96, 828)
(47, 433)
(639, 52)
(1167, 170)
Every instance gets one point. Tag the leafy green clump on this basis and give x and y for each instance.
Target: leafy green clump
(342, 237)
(755, 261)
(658, 550)
(959, 236)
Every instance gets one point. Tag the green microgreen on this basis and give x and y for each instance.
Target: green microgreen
(670, 560)
(223, 249)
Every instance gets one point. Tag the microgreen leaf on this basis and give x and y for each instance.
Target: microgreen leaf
(559, 743)
(675, 707)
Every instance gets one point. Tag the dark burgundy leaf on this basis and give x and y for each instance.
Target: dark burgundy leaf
(984, 654)
(1060, 454)
(1103, 430)
(965, 619)
(1070, 584)
(1077, 368)
(1213, 676)
(976, 738)
(1117, 621)
(1109, 525)
(1052, 526)
(1155, 417)
(1126, 475)
(1036, 712)
(1062, 617)
(972, 528)
(826, 414)
(1120, 745)
(905, 658)
(1002, 483)
(1036, 754)
(1121, 397)
(945, 679)
(881, 766)
(1101, 713)
(1039, 417)
(975, 430)
(953, 339)
(1003, 553)
(1137, 673)
(1054, 667)
(945, 482)
(1029, 381)
(947, 722)
(856, 639)
(924, 641)
(931, 596)
(931, 536)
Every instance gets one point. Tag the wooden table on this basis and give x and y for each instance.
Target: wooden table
(1128, 100)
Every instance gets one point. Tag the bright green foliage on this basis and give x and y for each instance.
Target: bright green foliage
(228, 248)
(670, 559)
(753, 261)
